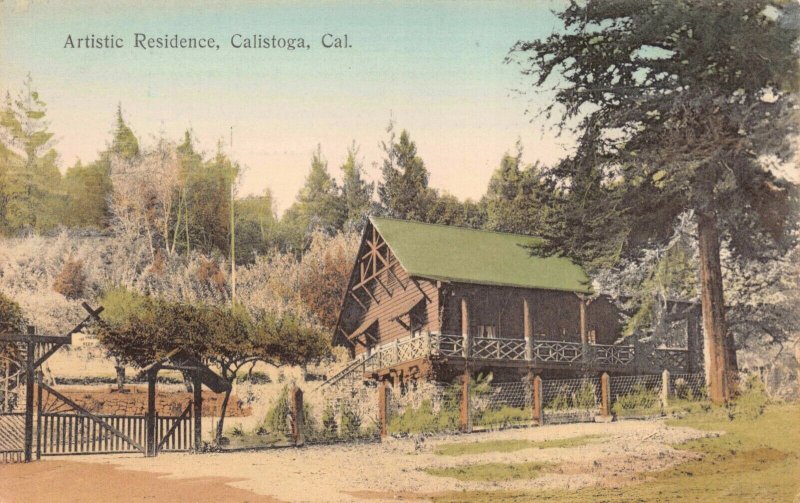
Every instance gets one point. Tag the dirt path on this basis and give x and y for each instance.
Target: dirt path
(385, 472)
(79, 482)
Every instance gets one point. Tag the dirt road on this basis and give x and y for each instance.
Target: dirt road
(376, 472)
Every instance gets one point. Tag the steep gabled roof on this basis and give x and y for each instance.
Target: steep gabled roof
(448, 253)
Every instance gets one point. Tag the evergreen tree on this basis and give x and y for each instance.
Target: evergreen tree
(357, 193)
(517, 197)
(124, 142)
(319, 206)
(676, 102)
(404, 191)
(31, 190)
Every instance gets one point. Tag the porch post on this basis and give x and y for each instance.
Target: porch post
(584, 331)
(465, 322)
(527, 329)
(197, 389)
(150, 450)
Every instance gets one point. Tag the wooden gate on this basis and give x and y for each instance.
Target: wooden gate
(66, 428)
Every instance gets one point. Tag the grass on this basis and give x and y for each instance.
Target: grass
(757, 459)
(460, 449)
(491, 471)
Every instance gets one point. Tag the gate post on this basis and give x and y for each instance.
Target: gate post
(664, 389)
(150, 448)
(605, 396)
(465, 412)
(31, 348)
(197, 390)
(536, 400)
(297, 413)
(39, 417)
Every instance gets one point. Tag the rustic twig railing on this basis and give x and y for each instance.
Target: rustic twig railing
(542, 352)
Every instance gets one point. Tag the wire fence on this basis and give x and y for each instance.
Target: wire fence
(433, 407)
(348, 416)
(570, 400)
(354, 414)
(501, 405)
(636, 396)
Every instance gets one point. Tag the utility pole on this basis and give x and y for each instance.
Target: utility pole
(233, 232)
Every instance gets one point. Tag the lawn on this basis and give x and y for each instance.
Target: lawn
(461, 448)
(756, 459)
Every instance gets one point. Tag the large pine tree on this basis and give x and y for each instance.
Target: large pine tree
(675, 105)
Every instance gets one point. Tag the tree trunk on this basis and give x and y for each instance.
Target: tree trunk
(224, 408)
(120, 370)
(719, 354)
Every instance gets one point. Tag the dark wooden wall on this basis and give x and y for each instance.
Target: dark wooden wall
(556, 315)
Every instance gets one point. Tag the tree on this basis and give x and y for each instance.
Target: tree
(256, 224)
(11, 316)
(404, 191)
(319, 206)
(88, 191)
(357, 193)
(31, 189)
(140, 330)
(676, 105)
(517, 197)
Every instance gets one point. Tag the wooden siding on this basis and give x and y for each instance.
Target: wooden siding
(555, 315)
(389, 305)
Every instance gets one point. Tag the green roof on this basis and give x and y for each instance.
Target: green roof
(449, 253)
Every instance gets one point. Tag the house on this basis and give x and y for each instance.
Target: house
(431, 301)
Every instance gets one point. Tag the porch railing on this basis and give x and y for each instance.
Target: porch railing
(566, 353)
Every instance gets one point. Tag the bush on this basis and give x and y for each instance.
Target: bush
(504, 415)
(254, 378)
(71, 281)
(423, 419)
(585, 397)
(350, 420)
(751, 400)
(277, 416)
(639, 400)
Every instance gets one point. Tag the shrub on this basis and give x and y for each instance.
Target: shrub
(71, 281)
(329, 426)
(585, 397)
(639, 400)
(277, 416)
(350, 420)
(504, 415)
(751, 400)
(423, 419)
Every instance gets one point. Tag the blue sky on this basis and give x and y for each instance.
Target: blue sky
(435, 67)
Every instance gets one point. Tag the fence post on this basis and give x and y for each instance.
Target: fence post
(197, 390)
(538, 409)
(465, 412)
(150, 448)
(664, 388)
(29, 378)
(299, 420)
(383, 411)
(605, 396)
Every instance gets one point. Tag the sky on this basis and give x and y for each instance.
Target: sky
(434, 68)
